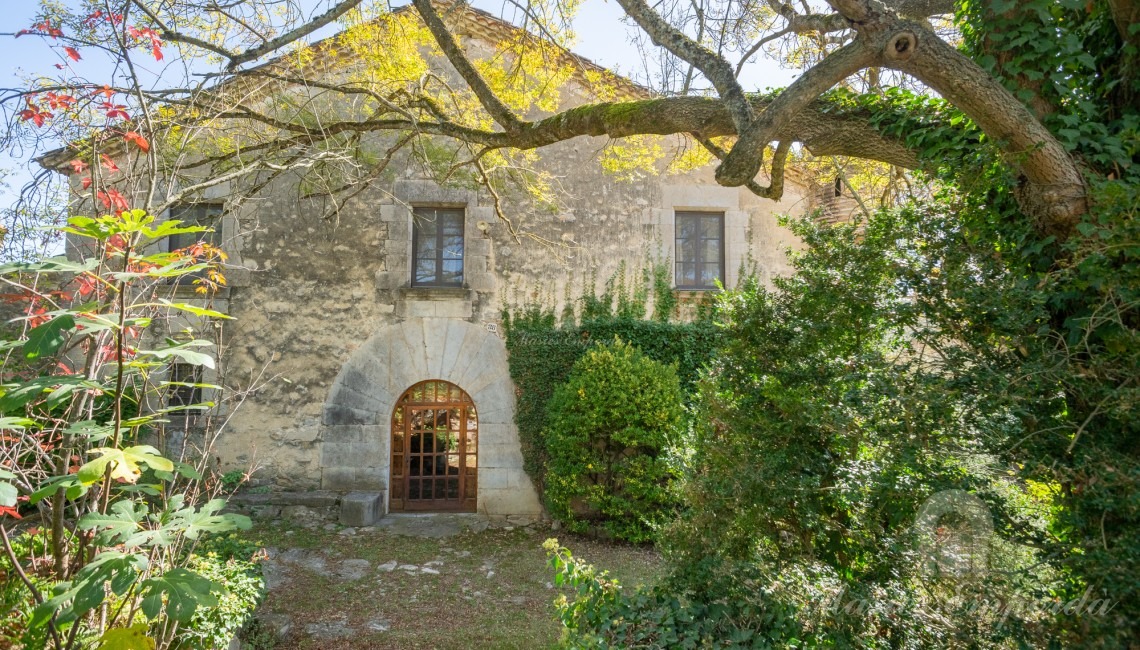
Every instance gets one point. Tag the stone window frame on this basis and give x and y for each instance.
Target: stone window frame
(413, 237)
(184, 327)
(702, 198)
(419, 192)
(228, 236)
(698, 214)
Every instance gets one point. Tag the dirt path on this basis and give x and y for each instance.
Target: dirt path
(440, 581)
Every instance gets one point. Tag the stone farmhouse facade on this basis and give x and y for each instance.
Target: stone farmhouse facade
(381, 332)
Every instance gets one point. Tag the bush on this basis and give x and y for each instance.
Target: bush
(224, 562)
(543, 345)
(110, 563)
(612, 428)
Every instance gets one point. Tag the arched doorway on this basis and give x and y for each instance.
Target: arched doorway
(435, 433)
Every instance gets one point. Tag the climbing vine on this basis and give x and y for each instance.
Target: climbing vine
(543, 349)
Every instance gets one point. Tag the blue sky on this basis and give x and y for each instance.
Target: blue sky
(602, 38)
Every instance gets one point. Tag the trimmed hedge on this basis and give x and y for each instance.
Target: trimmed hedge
(614, 428)
(542, 354)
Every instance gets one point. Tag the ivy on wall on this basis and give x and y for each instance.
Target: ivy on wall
(543, 348)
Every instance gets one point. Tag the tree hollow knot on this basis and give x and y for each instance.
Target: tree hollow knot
(901, 46)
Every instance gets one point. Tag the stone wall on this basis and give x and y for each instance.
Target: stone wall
(328, 332)
(315, 295)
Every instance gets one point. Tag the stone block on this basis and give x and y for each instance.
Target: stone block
(478, 246)
(340, 415)
(479, 280)
(503, 414)
(522, 520)
(372, 479)
(353, 454)
(391, 212)
(314, 499)
(509, 502)
(361, 508)
(342, 433)
(338, 478)
(493, 478)
(500, 455)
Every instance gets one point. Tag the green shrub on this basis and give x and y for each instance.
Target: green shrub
(228, 560)
(542, 354)
(729, 609)
(612, 428)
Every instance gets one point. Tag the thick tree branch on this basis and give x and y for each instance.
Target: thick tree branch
(487, 97)
(1054, 191)
(711, 64)
(823, 131)
(775, 189)
(807, 23)
(921, 8)
(1125, 14)
(743, 161)
(804, 23)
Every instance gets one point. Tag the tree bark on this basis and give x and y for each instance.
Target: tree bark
(1053, 190)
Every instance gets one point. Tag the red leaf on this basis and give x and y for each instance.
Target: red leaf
(87, 182)
(78, 166)
(137, 140)
(107, 163)
(113, 199)
(140, 33)
(11, 512)
(72, 53)
(34, 114)
(44, 28)
(59, 101)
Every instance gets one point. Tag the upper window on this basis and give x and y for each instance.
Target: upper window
(183, 390)
(700, 250)
(437, 247)
(196, 214)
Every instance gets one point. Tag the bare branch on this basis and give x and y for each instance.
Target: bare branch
(490, 101)
(711, 64)
(743, 161)
(304, 30)
(177, 37)
(759, 44)
(237, 59)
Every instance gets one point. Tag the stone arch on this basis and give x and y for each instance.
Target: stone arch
(355, 438)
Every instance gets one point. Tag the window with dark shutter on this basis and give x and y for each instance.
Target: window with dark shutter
(182, 391)
(208, 215)
(700, 250)
(437, 247)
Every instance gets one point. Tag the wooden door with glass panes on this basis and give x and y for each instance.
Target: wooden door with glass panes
(435, 432)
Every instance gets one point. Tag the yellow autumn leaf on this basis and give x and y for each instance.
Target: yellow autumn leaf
(126, 638)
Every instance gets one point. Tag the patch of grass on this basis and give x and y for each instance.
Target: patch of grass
(493, 589)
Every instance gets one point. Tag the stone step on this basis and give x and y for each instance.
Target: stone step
(309, 498)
